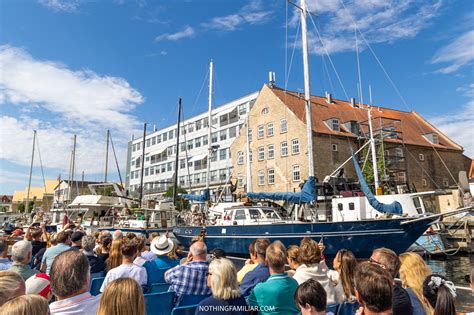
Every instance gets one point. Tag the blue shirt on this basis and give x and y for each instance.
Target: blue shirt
(275, 296)
(254, 277)
(51, 253)
(190, 279)
(415, 303)
(5, 263)
(215, 306)
(156, 269)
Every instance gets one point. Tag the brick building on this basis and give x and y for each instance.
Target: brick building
(409, 146)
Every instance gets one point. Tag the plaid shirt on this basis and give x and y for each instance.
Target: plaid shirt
(190, 279)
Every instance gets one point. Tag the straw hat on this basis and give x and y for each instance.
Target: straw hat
(161, 245)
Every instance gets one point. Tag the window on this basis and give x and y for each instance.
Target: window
(240, 181)
(147, 171)
(223, 154)
(214, 137)
(214, 156)
(421, 157)
(399, 152)
(204, 176)
(270, 130)
(148, 142)
(445, 182)
(284, 148)
(250, 156)
(261, 153)
(271, 176)
(432, 137)
(334, 147)
(295, 146)
(283, 126)
(401, 177)
(240, 158)
(222, 175)
(182, 146)
(199, 124)
(165, 137)
(213, 176)
(182, 163)
(271, 151)
(224, 120)
(197, 178)
(250, 134)
(153, 141)
(152, 170)
(261, 177)
(261, 131)
(190, 127)
(232, 132)
(158, 139)
(171, 134)
(424, 182)
(335, 124)
(239, 215)
(169, 166)
(204, 140)
(197, 142)
(296, 173)
(182, 180)
(223, 134)
(138, 145)
(242, 109)
(265, 111)
(190, 144)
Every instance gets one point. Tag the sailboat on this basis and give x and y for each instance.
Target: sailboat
(242, 224)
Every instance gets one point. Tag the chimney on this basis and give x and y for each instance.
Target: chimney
(154, 128)
(328, 97)
(271, 78)
(353, 102)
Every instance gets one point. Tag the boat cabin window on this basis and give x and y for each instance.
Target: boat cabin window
(340, 207)
(254, 214)
(239, 215)
(351, 206)
(270, 214)
(417, 203)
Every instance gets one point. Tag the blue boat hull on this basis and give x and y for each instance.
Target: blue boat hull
(360, 237)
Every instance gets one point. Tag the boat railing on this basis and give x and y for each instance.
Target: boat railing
(107, 221)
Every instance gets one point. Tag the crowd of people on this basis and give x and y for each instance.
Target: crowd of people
(51, 274)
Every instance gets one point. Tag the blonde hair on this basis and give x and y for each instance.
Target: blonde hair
(292, 252)
(123, 296)
(115, 255)
(10, 283)
(31, 304)
(224, 285)
(413, 271)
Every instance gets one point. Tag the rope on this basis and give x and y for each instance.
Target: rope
(116, 161)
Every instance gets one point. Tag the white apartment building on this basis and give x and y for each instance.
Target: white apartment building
(160, 153)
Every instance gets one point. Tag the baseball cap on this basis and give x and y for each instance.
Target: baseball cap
(39, 283)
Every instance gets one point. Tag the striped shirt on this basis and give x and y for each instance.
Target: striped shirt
(189, 279)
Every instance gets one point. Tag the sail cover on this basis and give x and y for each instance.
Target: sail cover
(199, 198)
(395, 207)
(306, 195)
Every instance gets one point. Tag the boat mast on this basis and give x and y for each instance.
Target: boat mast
(372, 145)
(31, 172)
(73, 165)
(209, 132)
(307, 92)
(107, 156)
(249, 171)
(143, 166)
(175, 184)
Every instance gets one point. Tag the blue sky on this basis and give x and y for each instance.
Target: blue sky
(82, 67)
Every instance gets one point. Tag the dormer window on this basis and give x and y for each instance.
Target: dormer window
(265, 111)
(353, 127)
(432, 137)
(333, 124)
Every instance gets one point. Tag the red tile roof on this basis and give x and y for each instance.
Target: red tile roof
(411, 125)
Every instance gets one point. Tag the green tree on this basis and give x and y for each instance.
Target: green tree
(180, 190)
(368, 169)
(21, 206)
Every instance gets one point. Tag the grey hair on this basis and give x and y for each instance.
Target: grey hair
(117, 235)
(69, 273)
(197, 250)
(21, 251)
(88, 243)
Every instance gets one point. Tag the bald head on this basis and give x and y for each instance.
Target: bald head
(198, 250)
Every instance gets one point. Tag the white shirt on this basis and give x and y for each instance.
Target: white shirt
(82, 304)
(319, 272)
(126, 271)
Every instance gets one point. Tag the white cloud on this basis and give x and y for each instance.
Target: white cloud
(458, 125)
(252, 13)
(187, 32)
(458, 53)
(61, 5)
(81, 96)
(59, 103)
(379, 20)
